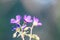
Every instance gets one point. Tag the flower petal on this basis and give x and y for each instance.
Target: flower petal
(18, 17)
(24, 26)
(13, 20)
(40, 24)
(27, 18)
(35, 19)
(36, 22)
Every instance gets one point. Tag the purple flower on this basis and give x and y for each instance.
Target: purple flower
(27, 18)
(36, 21)
(17, 20)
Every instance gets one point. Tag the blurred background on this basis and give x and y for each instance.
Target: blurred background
(48, 11)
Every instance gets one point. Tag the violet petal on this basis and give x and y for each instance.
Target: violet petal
(18, 17)
(13, 20)
(40, 24)
(24, 26)
(27, 18)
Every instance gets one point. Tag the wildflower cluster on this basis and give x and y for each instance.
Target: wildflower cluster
(22, 29)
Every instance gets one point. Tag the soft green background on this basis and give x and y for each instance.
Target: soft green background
(11, 8)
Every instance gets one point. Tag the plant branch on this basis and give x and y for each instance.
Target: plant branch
(31, 31)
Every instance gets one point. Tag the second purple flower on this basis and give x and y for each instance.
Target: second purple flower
(27, 18)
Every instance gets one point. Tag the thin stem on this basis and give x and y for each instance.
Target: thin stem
(22, 34)
(31, 31)
(23, 38)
